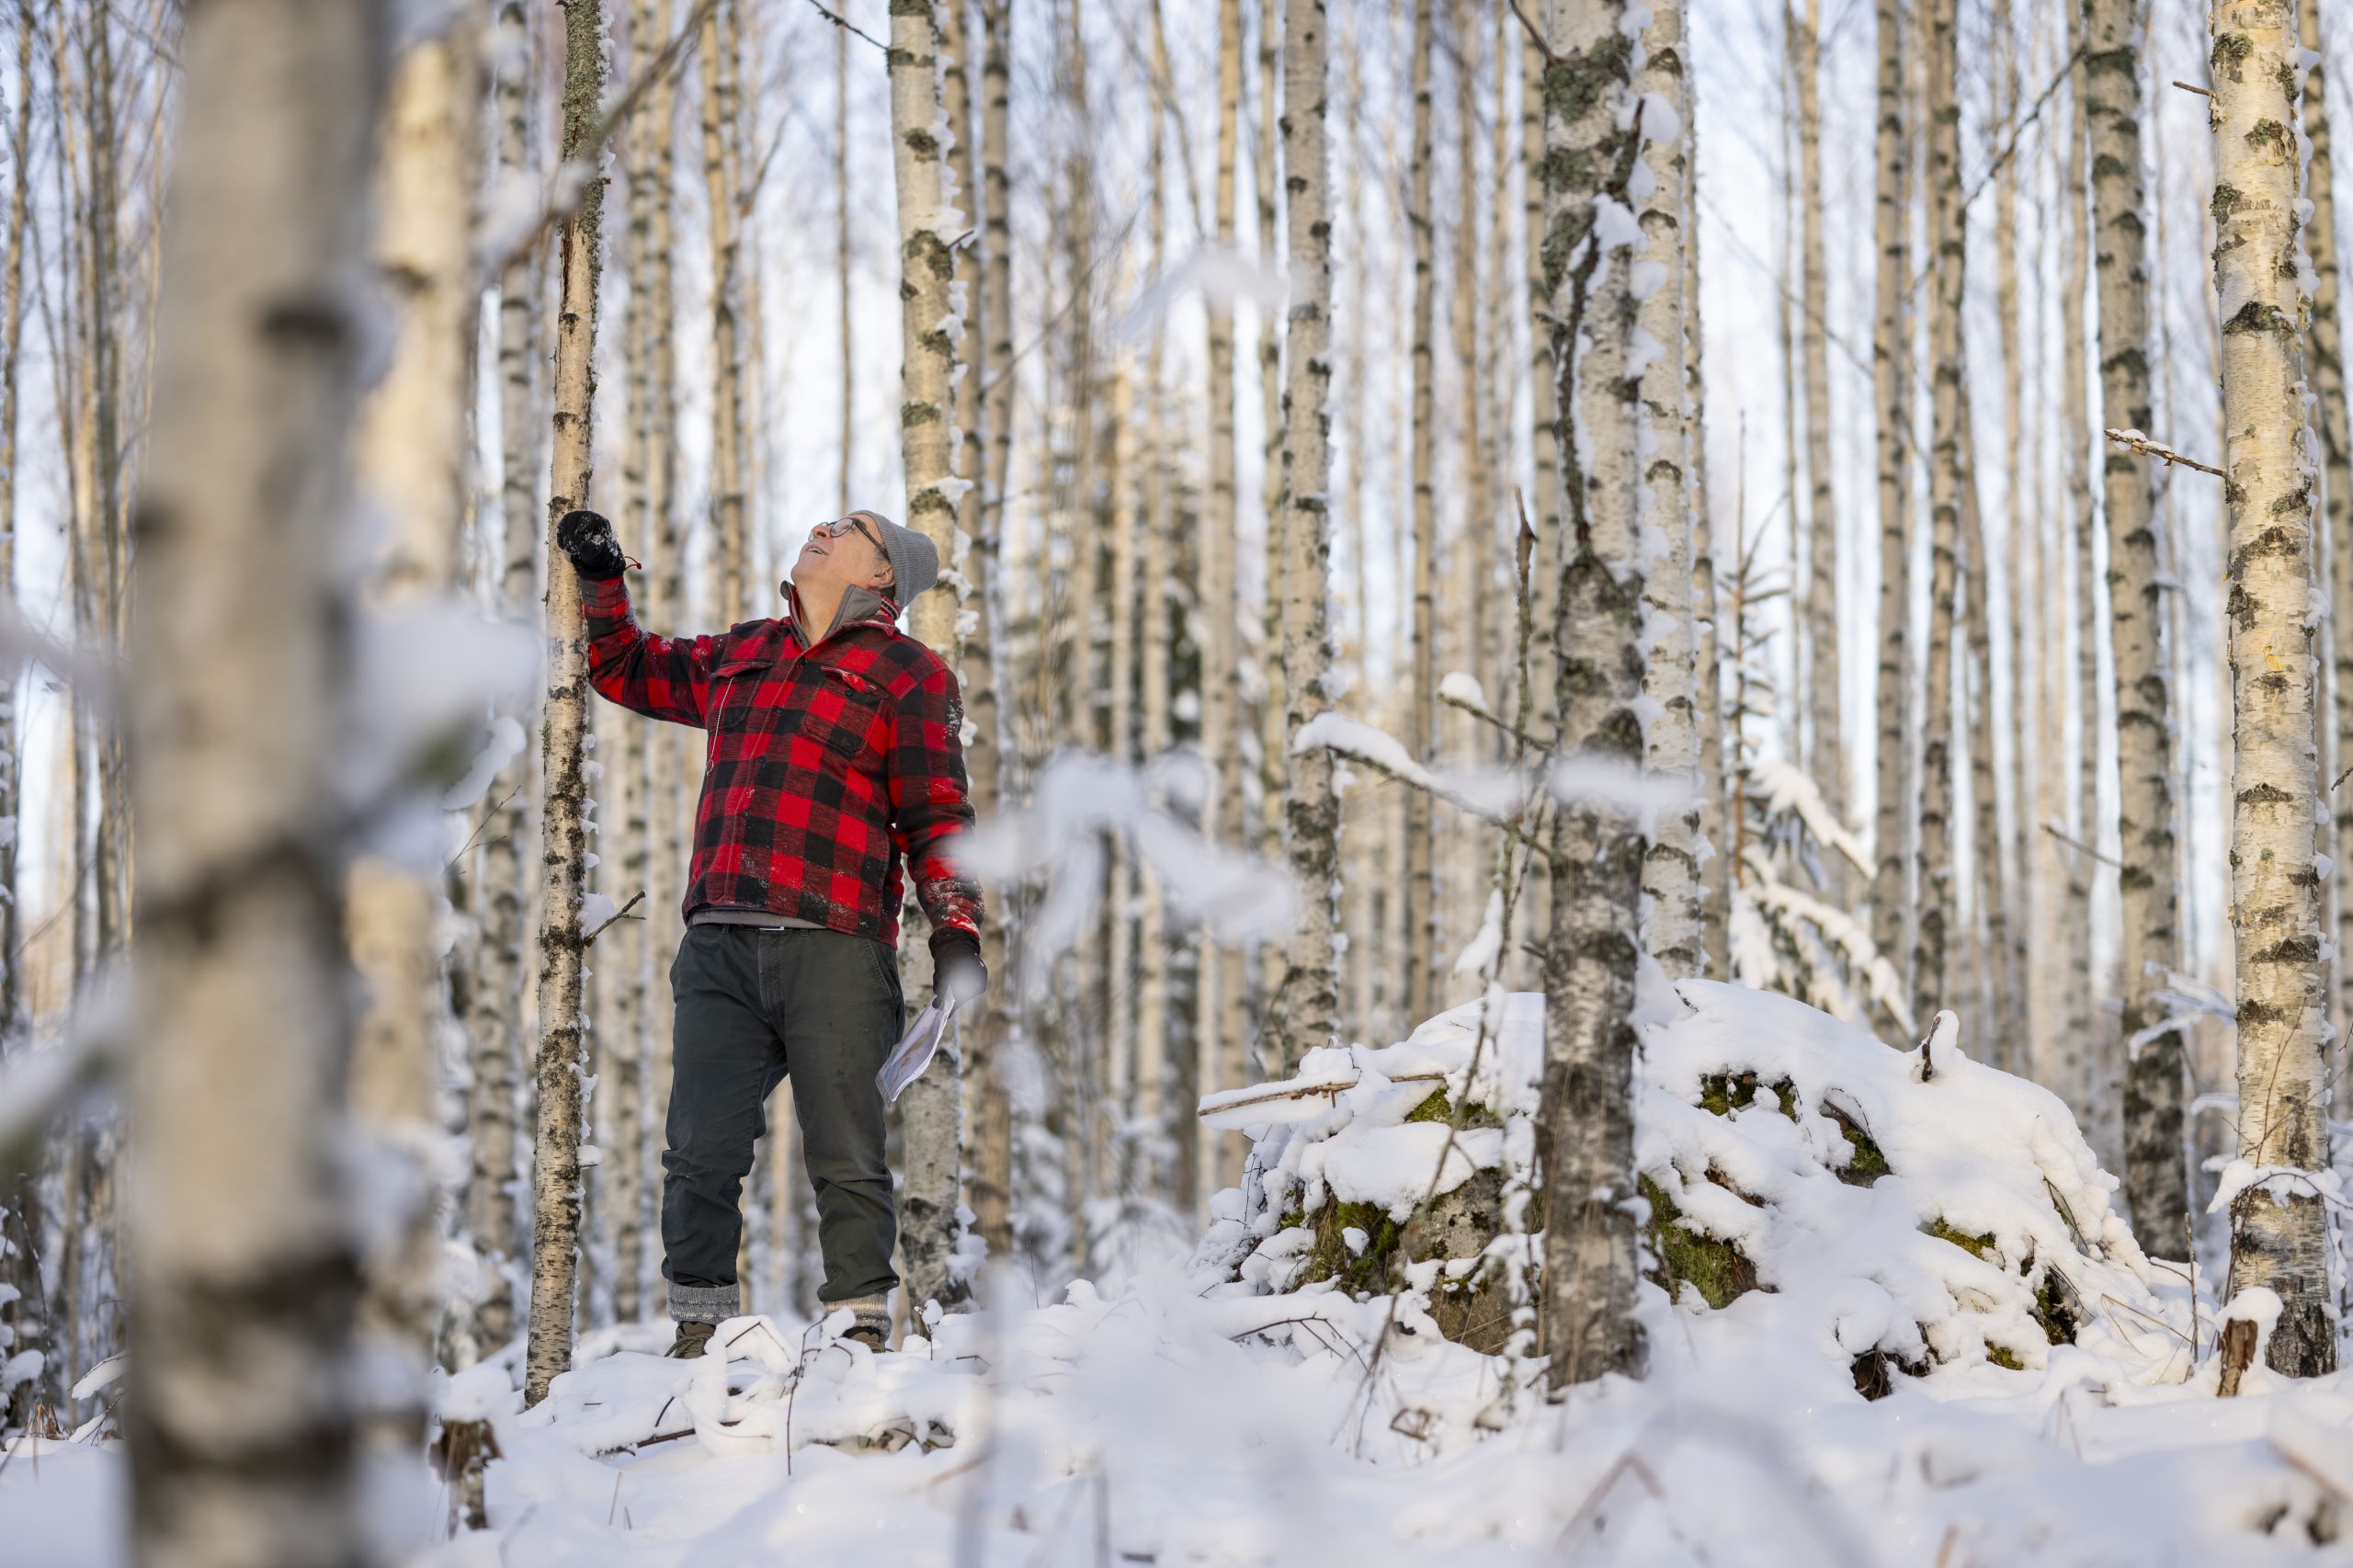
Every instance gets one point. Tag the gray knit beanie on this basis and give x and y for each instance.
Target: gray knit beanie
(914, 560)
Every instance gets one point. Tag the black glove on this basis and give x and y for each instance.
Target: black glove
(587, 538)
(956, 967)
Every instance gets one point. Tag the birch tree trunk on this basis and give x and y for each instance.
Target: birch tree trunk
(2071, 1072)
(12, 330)
(1591, 1250)
(1274, 760)
(730, 548)
(673, 753)
(21, 1203)
(990, 1158)
(1827, 755)
(2336, 487)
(1990, 925)
(1671, 928)
(1545, 500)
(1892, 398)
(2278, 1228)
(1217, 1029)
(1421, 848)
(930, 328)
(1307, 1008)
(241, 1439)
(564, 813)
(1715, 817)
(2019, 471)
(1948, 238)
(495, 1028)
(2155, 1177)
(1148, 1172)
(412, 459)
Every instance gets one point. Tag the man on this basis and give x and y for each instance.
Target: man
(834, 755)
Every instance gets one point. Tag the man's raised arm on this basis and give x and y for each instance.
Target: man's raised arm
(662, 677)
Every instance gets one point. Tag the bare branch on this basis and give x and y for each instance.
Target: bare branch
(621, 914)
(2134, 441)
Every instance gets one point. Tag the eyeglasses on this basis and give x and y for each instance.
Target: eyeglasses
(841, 526)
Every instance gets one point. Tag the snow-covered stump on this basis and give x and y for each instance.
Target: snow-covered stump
(1805, 1188)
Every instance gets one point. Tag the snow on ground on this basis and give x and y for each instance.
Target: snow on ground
(1217, 1409)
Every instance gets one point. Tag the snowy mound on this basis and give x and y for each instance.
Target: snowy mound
(1888, 1212)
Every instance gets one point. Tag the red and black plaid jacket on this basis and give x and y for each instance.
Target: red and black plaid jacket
(826, 766)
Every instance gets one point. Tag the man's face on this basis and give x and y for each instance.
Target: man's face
(844, 553)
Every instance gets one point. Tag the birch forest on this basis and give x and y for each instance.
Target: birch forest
(1648, 699)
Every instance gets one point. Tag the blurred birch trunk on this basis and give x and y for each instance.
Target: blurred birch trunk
(1671, 933)
(1949, 242)
(2155, 1177)
(1421, 719)
(990, 1130)
(1307, 1006)
(1826, 751)
(503, 891)
(242, 1438)
(412, 459)
(2336, 494)
(1218, 1026)
(1891, 399)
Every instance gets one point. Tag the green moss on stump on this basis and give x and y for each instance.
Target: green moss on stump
(1868, 1161)
(2002, 1357)
(1721, 1094)
(1717, 1268)
(1975, 1246)
(1332, 1259)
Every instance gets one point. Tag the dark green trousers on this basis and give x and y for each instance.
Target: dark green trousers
(754, 1005)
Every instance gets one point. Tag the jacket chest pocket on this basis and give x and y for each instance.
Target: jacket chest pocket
(845, 712)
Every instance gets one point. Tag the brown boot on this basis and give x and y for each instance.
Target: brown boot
(869, 1321)
(693, 1339)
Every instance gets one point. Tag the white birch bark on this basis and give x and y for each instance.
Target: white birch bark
(2155, 1177)
(564, 813)
(1306, 1008)
(930, 330)
(1948, 238)
(1827, 754)
(1149, 1166)
(989, 1130)
(2278, 1228)
(1891, 398)
(502, 887)
(25, 1321)
(2071, 1070)
(413, 461)
(1716, 866)
(242, 1436)
(2336, 494)
(1591, 1251)
(1544, 501)
(1421, 849)
(1218, 1019)
(1671, 922)
(729, 559)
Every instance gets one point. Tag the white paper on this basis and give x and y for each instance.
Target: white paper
(915, 1051)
